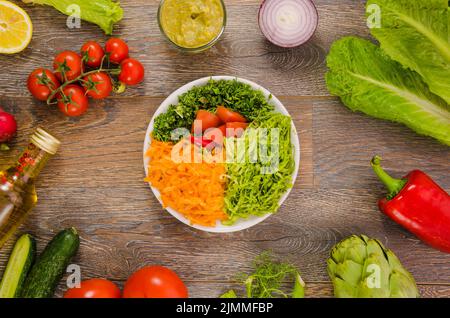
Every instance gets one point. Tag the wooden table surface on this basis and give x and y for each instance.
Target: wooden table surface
(95, 183)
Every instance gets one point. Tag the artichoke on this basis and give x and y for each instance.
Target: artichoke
(361, 267)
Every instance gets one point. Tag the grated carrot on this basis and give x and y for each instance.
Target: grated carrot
(195, 190)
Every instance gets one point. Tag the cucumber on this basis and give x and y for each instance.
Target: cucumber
(19, 264)
(50, 266)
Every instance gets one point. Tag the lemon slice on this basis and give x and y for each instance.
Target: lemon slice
(16, 28)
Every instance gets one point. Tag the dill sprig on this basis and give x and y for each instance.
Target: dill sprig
(268, 278)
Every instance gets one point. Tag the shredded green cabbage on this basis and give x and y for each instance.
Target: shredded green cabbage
(251, 191)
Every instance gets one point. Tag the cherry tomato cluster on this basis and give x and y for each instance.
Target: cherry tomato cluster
(212, 128)
(95, 73)
(148, 282)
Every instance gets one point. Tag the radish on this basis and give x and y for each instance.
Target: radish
(8, 128)
(288, 23)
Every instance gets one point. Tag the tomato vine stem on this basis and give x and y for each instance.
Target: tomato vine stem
(60, 89)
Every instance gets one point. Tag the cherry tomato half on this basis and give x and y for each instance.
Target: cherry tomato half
(131, 72)
(117, 49)
(41, 82)
(92, 54)
(154, 282)
(223, 129)
(207, 119)
(235, 129)
(97, 85)
(94, 288)
(74, 102)
(229, 116)
(69, 63)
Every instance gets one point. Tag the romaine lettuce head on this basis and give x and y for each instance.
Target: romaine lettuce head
(416, 34)
(367, 80)
(104, 13)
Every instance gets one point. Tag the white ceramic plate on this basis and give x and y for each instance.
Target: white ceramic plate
(172, 100)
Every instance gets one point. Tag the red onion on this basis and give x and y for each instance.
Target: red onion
(288, 23)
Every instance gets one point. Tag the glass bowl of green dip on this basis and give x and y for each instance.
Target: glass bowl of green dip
(192, 25)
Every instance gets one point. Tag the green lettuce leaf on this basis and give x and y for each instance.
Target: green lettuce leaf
(416, 34)
(367, 80)
(104, 13)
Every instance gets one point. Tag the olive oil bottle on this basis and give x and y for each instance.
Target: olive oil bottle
(17, 190)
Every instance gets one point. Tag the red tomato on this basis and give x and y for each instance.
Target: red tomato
(223, 129)
(67, 62)
(94, 288)
(235, 129)
(131, 72)
(41, 82)
(97, 85)
(229, 116)
(74, 102)
(117, 49)
(154, 282)
(208, 119)
(92, 54)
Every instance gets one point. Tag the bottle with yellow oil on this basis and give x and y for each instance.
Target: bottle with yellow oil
(17, 190)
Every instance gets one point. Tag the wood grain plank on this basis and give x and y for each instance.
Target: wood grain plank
(106, 143)
(313, 290)
(243, 51)
(344, 143)
(120, 235)
(96, 185)
(96, 181)
(206, 289)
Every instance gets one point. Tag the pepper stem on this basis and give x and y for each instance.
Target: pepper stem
(394, 186)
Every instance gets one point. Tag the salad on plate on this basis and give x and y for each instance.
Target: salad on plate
(221, 154)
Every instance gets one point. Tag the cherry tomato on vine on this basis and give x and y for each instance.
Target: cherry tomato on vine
(73, 101)
(154, 282)
(94, 288)
(92, 54)
(131, 72)
(117, 49)
(41, 82)
(97, 85)
(67, 62)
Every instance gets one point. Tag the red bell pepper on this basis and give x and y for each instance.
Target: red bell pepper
(418, 204)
